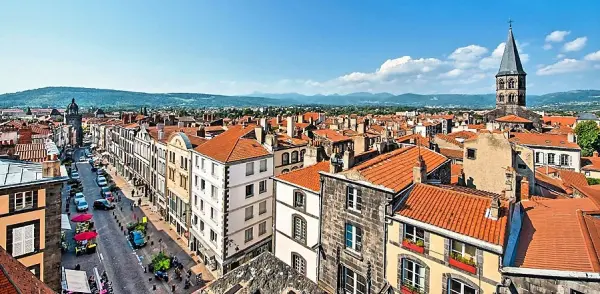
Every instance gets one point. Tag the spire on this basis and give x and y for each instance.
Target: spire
(511, 62)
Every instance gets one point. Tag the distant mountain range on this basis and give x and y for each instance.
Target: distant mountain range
(60, 97)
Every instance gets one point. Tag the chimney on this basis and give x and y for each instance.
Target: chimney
(335, 166)
(361, 143)
(160, 126)
(300, 118)
(291, 126)
(25, 135)
(312, 153)
(278, 119)
(353, 123)
(419, 171)
(595, 154)
(571, 137)
(361, 128)
(51, 166)
(524, 189)
(348, 159)
(494, 210)
(263, 123)
(180, 124)
(161, 134)
(260, 134)
(200, 132)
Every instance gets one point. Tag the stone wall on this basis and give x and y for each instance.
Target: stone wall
(531, 285)
(372, 221)
(52, 251)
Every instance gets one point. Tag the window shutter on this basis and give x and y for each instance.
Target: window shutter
(17, 249)
(348, 235)
(358, 199)
(347, 195)
(570, 159)
(28, 239)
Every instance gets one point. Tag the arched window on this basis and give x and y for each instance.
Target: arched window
(294, 168)
(302, 154)
(298, 263)
(285, 171)
(285, 158)
(511, 98)
(501, 98)
(501, 84)
(294, 156)
(565, 159)
(299, 228)
(511, 83)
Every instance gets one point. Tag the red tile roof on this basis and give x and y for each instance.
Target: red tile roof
(448, 139)
(554, 237)
(290, 141)
(462, 135)
(476, 127)
(590, 163)
(393, 170)
(31, 152)
(214, 129)
(455, 172)
(561, 130)
(452, 153)
(511, 118)
(307, 177)
(331, 135)
(16, 278)
(233, 145)
(314, 115)
(414, 139)
(169, 130)
(459, 210)
(544, 140)
(559, 120)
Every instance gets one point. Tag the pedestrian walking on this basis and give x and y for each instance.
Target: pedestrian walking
(77, 267)
(140, 202)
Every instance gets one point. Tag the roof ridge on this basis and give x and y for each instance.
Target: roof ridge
(382, 158)
(439, 186)
(587, 238)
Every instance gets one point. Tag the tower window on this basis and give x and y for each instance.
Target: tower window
(511, 98)
(501, 84)
(511, 83)
(501, 98)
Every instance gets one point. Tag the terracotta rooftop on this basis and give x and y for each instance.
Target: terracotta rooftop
(331, 135)
(591, 163)
(214, 129)
(16, 278)
(476, 127)
(233, 145)
(462, 135)
(307, 177)
(314, 115)
(555, 236)
(544, 140)
(414, 139)
(455, 173)
(459, 210)
(452, 153)
(286, 140)
(31, 152)
(448, 139)
(561, 130)
(511, 118)
(393, 170)
(559, 120)
(169, 130)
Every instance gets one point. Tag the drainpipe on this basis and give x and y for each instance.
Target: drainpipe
(320, 222)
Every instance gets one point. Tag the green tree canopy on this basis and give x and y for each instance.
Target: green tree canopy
(587, 137)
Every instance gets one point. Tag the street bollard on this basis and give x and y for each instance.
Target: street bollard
(153, 286)
(152, 243)
(173, 287)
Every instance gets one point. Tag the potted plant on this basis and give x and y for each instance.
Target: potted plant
(466, 264)
(418, 246)
(161, 262)
(409, 289)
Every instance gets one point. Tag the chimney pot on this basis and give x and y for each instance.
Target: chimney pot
(595, 154)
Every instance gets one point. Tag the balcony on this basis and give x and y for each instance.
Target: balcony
(418, 246)
(465, 264)
(408, 289)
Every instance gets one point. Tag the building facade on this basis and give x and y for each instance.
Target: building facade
(178, 187)
(30, 215)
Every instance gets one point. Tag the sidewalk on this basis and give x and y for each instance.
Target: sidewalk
(160, 224)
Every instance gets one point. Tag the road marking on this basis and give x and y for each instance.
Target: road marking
(101, 257)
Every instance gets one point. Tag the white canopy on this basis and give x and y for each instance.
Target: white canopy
(75, 281)
(64, 222)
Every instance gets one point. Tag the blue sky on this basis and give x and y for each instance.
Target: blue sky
(308, 46)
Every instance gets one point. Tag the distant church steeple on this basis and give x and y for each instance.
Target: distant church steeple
(510, 79)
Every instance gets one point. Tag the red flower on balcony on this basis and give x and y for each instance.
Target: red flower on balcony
(462, 263)
(415, 247)
(407, 289)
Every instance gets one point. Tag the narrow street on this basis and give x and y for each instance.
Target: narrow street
(123, 265)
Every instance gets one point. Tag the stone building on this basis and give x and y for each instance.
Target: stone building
(511, 87)
(30, 214)
(73, 118)
(353, 214)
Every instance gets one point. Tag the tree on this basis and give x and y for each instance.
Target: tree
(587, 137)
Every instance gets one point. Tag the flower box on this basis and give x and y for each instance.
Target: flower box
(412, 246)
(463, 266)
(406, 290)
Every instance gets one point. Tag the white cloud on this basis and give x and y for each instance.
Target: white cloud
(465, 57)
(393, 67)
(563, 66)
(452, 73)
(560, 56)
(595, 56)
(547, 46)
(557, 36)
(575, 45)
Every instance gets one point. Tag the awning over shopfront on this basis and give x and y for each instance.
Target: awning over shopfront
(105, 153)
(75, 281)
(64, 222)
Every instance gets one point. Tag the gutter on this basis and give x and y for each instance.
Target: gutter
(481, 244)
(550, 273)
(319, 248)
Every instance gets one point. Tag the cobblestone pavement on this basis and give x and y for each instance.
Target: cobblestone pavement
(124, 265)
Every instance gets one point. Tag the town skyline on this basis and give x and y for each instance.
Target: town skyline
(218, 49)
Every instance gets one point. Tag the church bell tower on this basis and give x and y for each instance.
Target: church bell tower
(510, 79)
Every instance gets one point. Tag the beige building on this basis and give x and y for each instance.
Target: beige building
(492, 163)
(434, 245)
(30, 215)
(178, 183)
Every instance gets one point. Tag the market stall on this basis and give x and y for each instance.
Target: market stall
(75, 281)
(85, 243)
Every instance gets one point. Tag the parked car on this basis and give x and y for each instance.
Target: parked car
(104, 190)
(101, 181)
(109, 196)
(78, 197)
(75, 175)
(103, 204)
(100, 172)
(82, 205)
(82, 158)
(137, 239)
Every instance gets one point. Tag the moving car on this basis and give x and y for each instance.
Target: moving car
(78, 197)
(103, 204)
(82, 158)
(137, 238)
(75, 175)
(82, 205)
